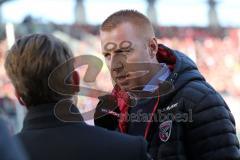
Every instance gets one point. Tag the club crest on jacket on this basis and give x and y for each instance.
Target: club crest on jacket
(165, 130)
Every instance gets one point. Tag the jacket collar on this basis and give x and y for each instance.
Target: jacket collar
(45, 116)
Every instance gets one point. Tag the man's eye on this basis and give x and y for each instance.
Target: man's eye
(107, 55)
(128, 51)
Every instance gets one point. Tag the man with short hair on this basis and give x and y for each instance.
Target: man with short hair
(187, 119)
(53, 128)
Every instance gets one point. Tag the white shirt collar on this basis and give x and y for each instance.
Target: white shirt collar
(161, 76)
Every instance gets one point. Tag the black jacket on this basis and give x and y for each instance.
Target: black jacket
(203, 127)
(9, 147)
(45, 137)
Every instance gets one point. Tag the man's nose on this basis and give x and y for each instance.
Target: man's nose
(118, 62)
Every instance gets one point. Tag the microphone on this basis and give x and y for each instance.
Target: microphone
(107, 112)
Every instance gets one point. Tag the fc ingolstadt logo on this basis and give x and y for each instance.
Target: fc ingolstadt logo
(165, 130)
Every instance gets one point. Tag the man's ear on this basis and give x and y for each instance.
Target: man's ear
(153, 47)
(76, 81)
(20, 100)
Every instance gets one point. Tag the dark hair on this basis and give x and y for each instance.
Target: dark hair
(29, 63)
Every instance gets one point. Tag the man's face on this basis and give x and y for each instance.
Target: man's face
(121, 46)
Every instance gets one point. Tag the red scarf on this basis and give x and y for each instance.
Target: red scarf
(164, 55)
(122, 98)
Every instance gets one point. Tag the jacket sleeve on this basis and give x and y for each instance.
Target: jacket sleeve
(212, 133)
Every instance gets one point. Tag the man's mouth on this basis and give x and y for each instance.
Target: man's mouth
(122, 79)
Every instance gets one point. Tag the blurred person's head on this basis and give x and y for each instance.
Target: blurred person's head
(29, 63)
(127, 36)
